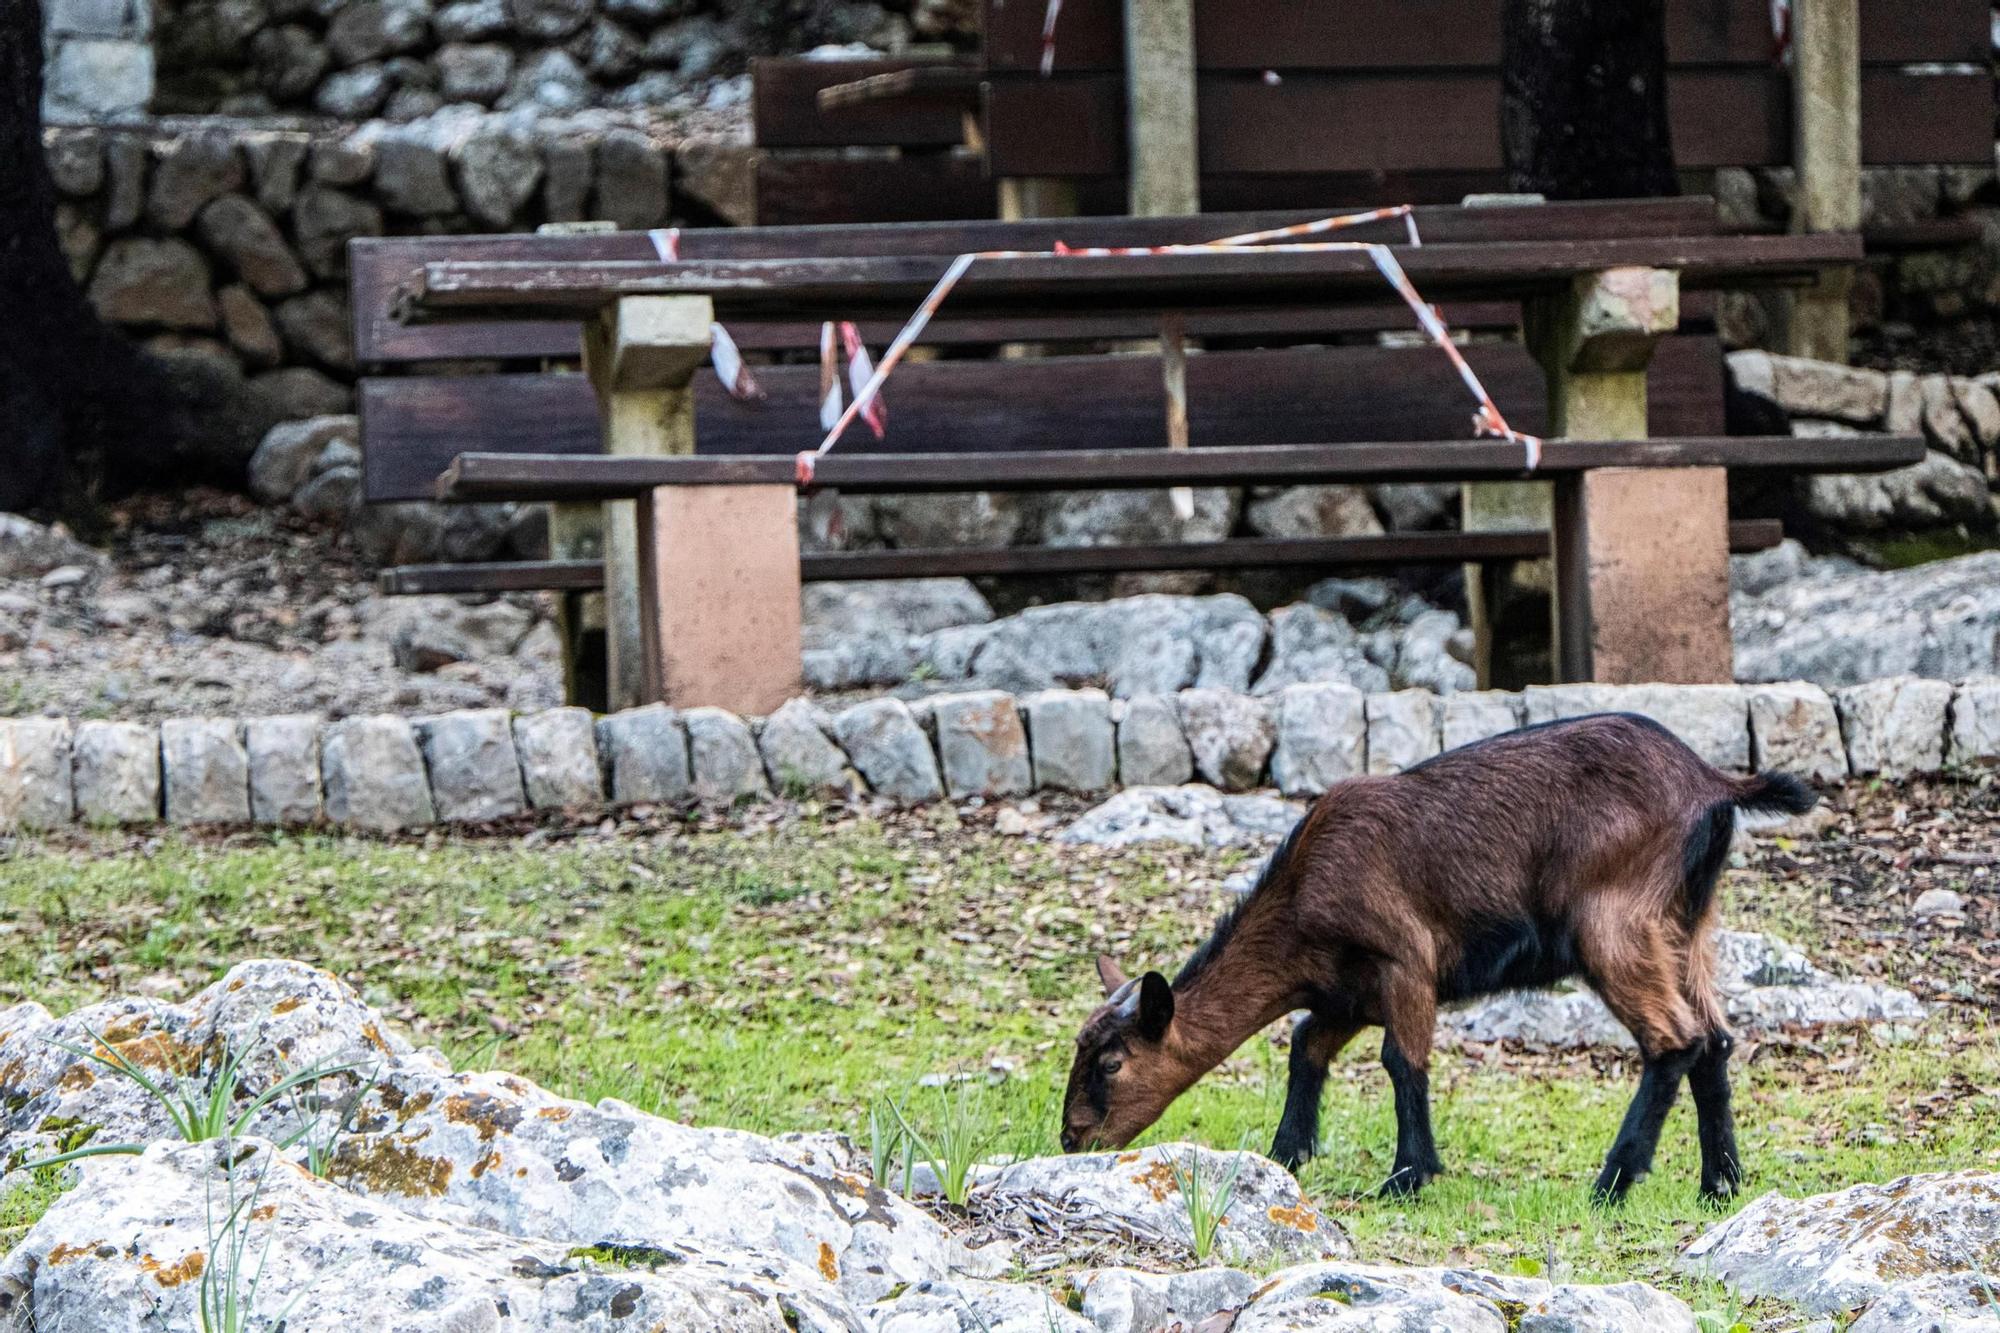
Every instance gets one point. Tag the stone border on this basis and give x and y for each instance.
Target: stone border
(384, 773)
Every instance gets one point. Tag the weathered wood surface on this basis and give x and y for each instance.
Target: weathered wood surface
(414, 426)
(840, 287)
(1448, 120)
(1390, 34)
(478, 476)
(379, 266)
(1410, 548)
(785, 111)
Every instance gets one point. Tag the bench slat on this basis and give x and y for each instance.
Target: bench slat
(1411, 548)
(477, 476)
(379, 265)
(1374, 34)
(412, 427)
(842, 287)
(1449, 120)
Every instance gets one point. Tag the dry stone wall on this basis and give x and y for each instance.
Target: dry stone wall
(383, 774)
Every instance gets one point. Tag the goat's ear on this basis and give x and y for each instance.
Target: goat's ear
(1108, 972)
(1156, 1006)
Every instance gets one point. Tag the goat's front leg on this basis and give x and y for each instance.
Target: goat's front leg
(1411, 1004)
(1315, 1042)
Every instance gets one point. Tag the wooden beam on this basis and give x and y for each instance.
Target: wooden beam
(477, 476)
(1826, 133)
(1165, 174)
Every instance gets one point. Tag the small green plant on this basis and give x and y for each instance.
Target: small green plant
(201, 1107)
(226, 1300)
(889, 1147)
(1206, 1202)
(964, 1135)
(320, 1148)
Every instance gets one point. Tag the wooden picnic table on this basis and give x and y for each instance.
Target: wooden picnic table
(1640, 537)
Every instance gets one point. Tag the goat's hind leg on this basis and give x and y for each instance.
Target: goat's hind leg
(1708, 1081)
(1315, 1042)
(1635, 972)
(1406, 1054)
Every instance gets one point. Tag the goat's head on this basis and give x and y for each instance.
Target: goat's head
(1124, 1075)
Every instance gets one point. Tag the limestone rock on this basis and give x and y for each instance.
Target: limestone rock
(1098, 518)
(189, 171)
(1836, 1252)
(1403, 730)
(982, 746)
(355, 1262)
(1943, 423)
(1322, 737)
(283, 753)
(1121, 1195)
(1193, 815)
(117, 772)
(645, 753)
(474, 773)
(988, 1307)
(1942, 1303)
(498, 172)
(1152, 749)
(631, 180)
(474, 71)
(240, 233)
(1312, 511)
(1936, 492)
(1230, 735)
(798, 750)
(723, 756)
(1795, 729)
(1809, 388)
(1895, 727)
(1127, 1300)
(1975, 721)
(1071, 740)
(145, 281)
(1940, 619)
(207, 771)
(426, 633)
(1766, 984)
(1310, 644)
(890, 750)
(1712, 720)
(35, 785)
(373, 775)
(1476, 715)
(1150, 644)
(558, 749)
(248, 327)
(1386, 1299)
(284, 460)
(29, 550)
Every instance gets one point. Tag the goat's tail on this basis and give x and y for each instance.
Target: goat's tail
(1772, 794)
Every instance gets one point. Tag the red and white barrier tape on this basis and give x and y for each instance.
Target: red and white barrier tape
(1487, 419)
(723, 353)
(1049, 37)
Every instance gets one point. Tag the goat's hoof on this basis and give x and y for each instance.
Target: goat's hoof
(1291, 1155)
(1718, 1193)
(1611, 1187)
(1406, 1181)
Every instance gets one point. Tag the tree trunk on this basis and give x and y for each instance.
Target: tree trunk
(79, 406)
(1583, 99)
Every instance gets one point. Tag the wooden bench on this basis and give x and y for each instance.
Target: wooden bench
(412, 425)
(1640, 540)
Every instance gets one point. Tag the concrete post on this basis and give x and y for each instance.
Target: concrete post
(1164, 157)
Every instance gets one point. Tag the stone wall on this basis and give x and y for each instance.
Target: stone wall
(97, 59)
(387, 773)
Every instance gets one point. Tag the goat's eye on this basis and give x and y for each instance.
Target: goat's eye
(1112, 1064)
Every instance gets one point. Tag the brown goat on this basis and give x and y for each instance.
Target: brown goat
(1587, 848)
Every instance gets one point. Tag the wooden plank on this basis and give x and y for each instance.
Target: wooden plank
(1413, 548)
(1427, 34)
(476, 476)
(1449, 121)
(955, 86)
(849, 287)
(785, 110)
(412, 427)
(378, 266)
(914, 187)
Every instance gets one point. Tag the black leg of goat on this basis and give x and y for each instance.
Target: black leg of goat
(1708, 1081)
(1631, 1155)
(1416, 1151)
(1315, 1041)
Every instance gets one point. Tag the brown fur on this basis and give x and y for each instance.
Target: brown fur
(1568, 849)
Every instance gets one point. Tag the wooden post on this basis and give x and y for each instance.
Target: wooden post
(701, 582)
(1641, 555)
(640, 355)
(1826, 151)
(1164, 157)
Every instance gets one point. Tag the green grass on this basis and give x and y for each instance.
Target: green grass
(792, 978)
